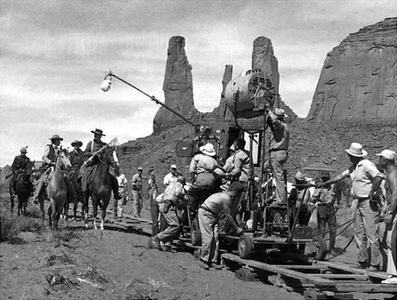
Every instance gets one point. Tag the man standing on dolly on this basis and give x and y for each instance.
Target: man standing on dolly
(366, 179)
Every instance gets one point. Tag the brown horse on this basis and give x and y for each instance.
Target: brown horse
(23, 188)
(99, 187)
(78, 193)
(57, 189)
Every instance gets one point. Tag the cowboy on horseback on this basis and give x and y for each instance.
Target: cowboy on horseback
(19, 164)
(91, 149)
(50, 154)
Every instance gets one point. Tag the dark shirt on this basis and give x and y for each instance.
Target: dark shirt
(20, 163)
(93, 146)
(76, 157)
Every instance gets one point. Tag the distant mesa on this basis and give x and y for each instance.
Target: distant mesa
(358, 81)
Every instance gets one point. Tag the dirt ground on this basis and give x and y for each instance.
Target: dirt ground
(113, 264)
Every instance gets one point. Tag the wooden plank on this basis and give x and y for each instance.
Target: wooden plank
(341, 276)
(303, 267)
(380, 275)
(278, 270)
(366, 288)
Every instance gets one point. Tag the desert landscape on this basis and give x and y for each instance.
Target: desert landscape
(355, 100)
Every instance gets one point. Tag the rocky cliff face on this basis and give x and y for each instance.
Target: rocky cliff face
(177, 87)
(358, 81)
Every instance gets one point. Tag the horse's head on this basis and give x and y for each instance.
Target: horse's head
(63, 160)
(106, 156)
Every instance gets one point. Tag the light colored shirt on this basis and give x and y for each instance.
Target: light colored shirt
(173, 192)
(241, 162)
(215, 202)
(122, 181)
(228, 167)
(169, 178)
(362, 176)
(280, 139)
(324, 195)
(136, 182)
(202, 163)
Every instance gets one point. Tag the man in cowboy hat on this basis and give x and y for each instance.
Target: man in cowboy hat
(387, 160)
(76, 155)
(172, 176)
(50, 154)
(366, 179)
(91, 149)
(299, 199)
(278, 150)
(326, 209)
(19, 164)
(137, 192)
(201, 171)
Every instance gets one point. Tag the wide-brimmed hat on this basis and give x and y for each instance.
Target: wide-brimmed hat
(77, 143)
(140, 169)
(388, 154)
(56, 137)
(232, 148)
(173, 167)
(98, 131)
(299, 176)
(24, 149)
(208, 149)
(356, 149)
(280, 113)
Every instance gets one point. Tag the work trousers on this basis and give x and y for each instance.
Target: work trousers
(327, 216)
(118, 206)
(390, 238)
(209, 236)
(154, 212)
(366, 229)
(171, 232)
(277, 160)
(138, 201)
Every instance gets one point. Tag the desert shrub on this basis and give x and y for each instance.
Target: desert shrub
(10, 226)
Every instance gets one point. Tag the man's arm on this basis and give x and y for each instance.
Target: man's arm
(336, 178)
(375, 185)
(237, 164)
(45, 155)
(227, 203)
(392, 180)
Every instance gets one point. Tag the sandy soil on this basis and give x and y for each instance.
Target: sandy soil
(117, 265)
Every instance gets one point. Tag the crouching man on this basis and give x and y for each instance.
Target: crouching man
(174, 197)
(208, 215)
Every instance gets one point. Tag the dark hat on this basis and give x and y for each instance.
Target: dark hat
(77, 143)
(24, 149)
(56, 137)
(98, 131)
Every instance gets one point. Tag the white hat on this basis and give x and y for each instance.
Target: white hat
(356, 150)
(279, 112)
(388, 154)
(173, 167)
(208, 149)
(299, 176)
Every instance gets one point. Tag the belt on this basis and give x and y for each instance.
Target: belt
(361, 198)
(204, 207)
(274, 150)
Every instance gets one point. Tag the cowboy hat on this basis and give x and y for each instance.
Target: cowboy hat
(24, 149)
(208, 149)
(98, 131)
(299, 176)
(388, 154)
(356, 150)
(280, 113)
(173, 167)
(56, 137)
(77, 143)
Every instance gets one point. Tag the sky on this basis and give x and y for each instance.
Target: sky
(54, 54)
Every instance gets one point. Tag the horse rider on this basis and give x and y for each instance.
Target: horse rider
(278, 150)
(137, 192)
(49, 157)
(19, 164)
(172, 176)
(91, 150)
(366, 180)
(77, 155)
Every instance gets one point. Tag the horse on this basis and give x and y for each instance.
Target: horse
(57, 189)
(78, 193)
(23, 188)
(99, 187)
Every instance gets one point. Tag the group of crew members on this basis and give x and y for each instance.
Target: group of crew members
(215, 193)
